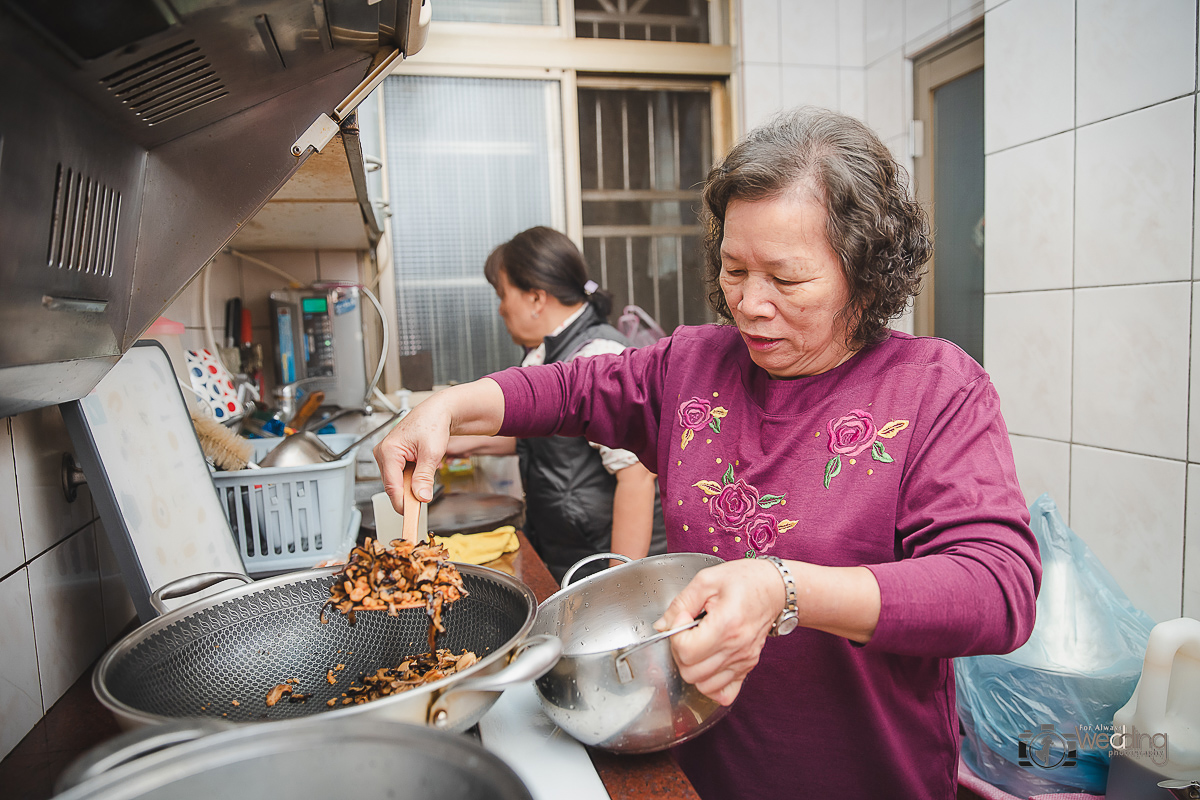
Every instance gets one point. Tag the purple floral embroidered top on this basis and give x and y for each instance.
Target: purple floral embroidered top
(897, 460)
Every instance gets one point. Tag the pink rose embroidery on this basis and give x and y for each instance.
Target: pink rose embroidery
(761, 532)
(695, 414)
(852, 433)
(736, 503)
(737, 507)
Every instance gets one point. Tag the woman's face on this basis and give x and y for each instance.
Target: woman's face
(520, 312)
(784, 284)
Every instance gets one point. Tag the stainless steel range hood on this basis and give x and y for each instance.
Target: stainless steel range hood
(136, 137)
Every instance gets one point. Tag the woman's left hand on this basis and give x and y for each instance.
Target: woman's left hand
(742, 599)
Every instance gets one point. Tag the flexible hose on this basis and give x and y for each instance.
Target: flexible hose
(383, 351)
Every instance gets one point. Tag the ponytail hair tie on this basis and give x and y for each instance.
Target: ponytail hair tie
(590, 287)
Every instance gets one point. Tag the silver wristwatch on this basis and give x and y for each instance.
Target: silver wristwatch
(788, 619)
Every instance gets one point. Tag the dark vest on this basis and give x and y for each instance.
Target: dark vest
(568, 492)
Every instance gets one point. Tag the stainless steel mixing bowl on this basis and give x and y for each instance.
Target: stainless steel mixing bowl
(617, 686)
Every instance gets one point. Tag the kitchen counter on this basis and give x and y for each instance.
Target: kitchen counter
(77, 722)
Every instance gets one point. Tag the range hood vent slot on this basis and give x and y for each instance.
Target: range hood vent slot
(83, 230)
(167, 84)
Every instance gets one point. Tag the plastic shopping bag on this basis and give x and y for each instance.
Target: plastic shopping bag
(639, 327)
(1036, 719)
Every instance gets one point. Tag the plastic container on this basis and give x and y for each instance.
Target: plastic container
(286, 518)
(1156, 735)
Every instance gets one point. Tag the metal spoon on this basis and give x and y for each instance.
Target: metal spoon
(303, 448)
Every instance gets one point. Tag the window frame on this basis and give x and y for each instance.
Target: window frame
(553, 52)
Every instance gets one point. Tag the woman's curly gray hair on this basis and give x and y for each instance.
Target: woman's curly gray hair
(878, 230)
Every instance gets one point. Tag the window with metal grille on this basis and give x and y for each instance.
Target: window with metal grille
(471, 162)
(648, 20)
(644, 154)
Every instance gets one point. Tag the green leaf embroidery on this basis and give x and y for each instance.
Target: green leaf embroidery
(727, 478)
(832, 469)
(768, 500)
(878, 453)
(715, 424)
(749, 554)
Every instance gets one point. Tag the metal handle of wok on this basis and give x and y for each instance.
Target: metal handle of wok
(134, 745)
(624, 671)
(533, 658)
(182, 587)
(566, 581)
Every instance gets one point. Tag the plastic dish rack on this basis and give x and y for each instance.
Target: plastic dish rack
(286, 518)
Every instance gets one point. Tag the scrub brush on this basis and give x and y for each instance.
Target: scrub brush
(222, 447)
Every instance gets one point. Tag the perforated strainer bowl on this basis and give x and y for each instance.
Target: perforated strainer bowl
(220, 656)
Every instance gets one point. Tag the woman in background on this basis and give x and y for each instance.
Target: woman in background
(581, 498)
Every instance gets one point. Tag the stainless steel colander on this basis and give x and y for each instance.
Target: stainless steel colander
(235, 646)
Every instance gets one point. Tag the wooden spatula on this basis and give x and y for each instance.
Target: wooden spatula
(416, 524)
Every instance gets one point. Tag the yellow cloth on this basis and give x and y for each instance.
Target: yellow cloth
(479, 548)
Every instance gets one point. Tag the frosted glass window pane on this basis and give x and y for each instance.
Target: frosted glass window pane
(471, 162)
(510, 12)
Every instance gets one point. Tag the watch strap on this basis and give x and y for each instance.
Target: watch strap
(789, 613)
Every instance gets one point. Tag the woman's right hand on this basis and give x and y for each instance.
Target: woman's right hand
(420, 439)
(742, 599)
(421, 436)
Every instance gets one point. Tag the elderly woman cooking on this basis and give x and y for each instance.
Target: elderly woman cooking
(858, 482)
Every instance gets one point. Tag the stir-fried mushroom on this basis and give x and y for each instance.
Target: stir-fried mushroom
(404, 575)
(412, 672)
(276, 694)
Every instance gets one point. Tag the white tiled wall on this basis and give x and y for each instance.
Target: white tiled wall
(1090, 117)
(63, 605)
(1027, 349)
(1029, 77)
(1030, 200)
(20, 691)
(1132, 55)
(1129, 509)
(1131, 227)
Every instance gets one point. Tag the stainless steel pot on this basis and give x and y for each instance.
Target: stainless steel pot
(220, 656)
(617, 686)
(296, 760)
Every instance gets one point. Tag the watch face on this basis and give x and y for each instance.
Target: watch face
(786, 625)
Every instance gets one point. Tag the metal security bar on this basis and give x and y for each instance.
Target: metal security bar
(644, 156)
(647, 20)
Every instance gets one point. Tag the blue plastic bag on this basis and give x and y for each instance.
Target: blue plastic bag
(1032, 717)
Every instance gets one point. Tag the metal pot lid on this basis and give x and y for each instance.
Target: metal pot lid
(298, 759)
